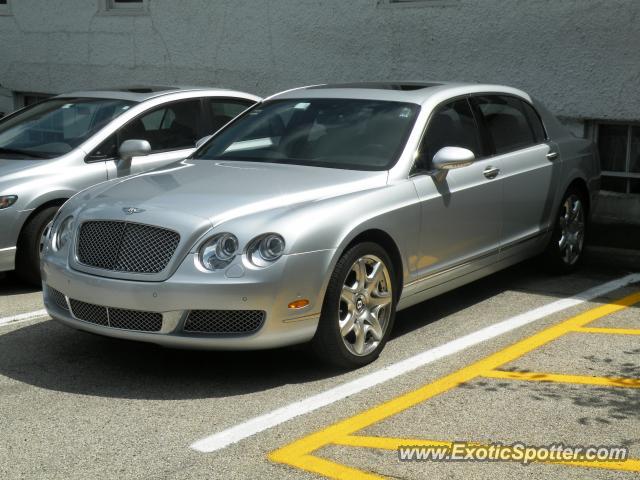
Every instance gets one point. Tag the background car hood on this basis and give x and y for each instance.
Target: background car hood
(11, 166)
(221, 191)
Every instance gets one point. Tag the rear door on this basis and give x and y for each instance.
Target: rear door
(529, 168)
(461, 212)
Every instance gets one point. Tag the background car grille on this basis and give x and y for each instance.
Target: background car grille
(116, 317)
(58, 298)
(126, 246)
(224, 321)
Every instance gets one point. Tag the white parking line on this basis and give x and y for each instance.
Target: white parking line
(22, 317)
(255, 425)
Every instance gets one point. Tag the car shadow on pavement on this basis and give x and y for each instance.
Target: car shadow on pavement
(10, 284)
(54, 357)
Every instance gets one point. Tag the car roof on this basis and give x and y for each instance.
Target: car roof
(410, 92)
(140, 93)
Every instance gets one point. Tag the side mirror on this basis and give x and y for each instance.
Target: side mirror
(449, 158)
(133, 148)
(203, 140)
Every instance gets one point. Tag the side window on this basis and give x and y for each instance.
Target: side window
(534, 122)
(507, 122)
(222, 111)
(169, 127)
(452, 125)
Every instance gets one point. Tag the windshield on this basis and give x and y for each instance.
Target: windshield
(55, 127)
(334, 133)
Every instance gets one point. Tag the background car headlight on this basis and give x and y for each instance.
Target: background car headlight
(63, 233)
(7, 200)
(265, 249)
(219, 251)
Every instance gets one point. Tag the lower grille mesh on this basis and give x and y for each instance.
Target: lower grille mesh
(224, 321)
(116, 317)
(89, 312)
(58, 298)
(135, 320)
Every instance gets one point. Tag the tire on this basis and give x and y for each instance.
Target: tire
(366, 310)
(28, 254)
(565, 251)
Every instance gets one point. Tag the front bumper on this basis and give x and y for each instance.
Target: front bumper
(189, 288)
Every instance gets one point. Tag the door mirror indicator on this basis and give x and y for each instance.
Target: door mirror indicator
(450, 158)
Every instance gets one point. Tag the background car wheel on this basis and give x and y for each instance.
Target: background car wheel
(359, 308)
(30, 246)
(566, 247)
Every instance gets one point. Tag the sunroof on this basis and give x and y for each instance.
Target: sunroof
(405, 86)
(146, 89)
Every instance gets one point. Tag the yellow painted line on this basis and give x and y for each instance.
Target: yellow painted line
(391, 443)
(612, 331)
(559, 378)
(298, 453)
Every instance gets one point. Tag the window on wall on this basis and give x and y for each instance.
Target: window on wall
(619, 148)
(24, 99)
(4, 7)
(125, 6)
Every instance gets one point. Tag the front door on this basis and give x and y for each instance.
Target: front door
(462, 210)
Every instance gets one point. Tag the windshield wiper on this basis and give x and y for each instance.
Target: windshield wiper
(27, 153)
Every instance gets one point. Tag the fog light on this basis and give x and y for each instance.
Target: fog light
(298, 304)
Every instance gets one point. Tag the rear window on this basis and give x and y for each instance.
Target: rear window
(509, 123)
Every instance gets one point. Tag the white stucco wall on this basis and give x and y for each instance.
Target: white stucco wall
(581, 57)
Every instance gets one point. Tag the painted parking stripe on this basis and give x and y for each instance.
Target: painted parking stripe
(23, 317)
(255, 425)
(300, 453)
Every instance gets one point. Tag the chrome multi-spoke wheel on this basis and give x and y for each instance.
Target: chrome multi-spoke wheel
(572, 229)
(365, 305)
(43, 237)
(359, 307)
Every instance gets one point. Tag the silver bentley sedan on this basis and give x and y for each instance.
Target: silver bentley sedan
(320, 212)
(54, 149)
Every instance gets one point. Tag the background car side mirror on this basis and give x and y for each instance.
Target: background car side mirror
(128, 150)
(449, 158)
(133, 148)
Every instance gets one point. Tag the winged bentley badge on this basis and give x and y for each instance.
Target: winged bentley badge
(132, 210)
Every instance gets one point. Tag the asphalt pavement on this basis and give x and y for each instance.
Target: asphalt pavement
(77, 406)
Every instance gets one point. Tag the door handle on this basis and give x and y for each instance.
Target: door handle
(491, 172)
(552, 155)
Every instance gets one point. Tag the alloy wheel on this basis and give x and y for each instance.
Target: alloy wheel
(572, 229)
(365, 305)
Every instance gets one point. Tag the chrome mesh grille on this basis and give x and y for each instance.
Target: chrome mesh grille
(135, 320)
(224, 321)
(126, 246)
(89, 312)
(116, 317)
(58, 298)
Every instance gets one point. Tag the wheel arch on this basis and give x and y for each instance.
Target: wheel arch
(387, 242)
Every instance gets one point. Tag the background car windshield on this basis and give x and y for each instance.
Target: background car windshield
(335, 133)
(55, 127)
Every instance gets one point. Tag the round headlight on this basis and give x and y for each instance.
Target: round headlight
(63, 233)
(265, 249)
(271, 247)
(219, 251)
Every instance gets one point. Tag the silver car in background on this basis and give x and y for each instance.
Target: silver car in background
(52, 150)
(320, 212)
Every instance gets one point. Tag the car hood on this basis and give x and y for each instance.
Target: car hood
(221, 191)
(9, 166)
